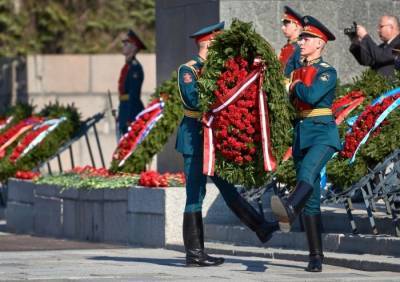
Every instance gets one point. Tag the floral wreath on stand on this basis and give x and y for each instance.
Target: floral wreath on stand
(246, 111)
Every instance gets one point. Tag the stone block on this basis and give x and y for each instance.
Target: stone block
(116, 221)
(90, 220)
(56, 75)
(44, 190)
(47, 216)
(146, 200)
(91, 194)
(146, 229)
(19, 217)
(70, 226)
(70, 193)
(20, 191)
(116, 195)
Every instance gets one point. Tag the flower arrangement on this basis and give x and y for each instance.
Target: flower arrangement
(27, 143)
(154, 140)
(138, 130)
(89, 177)
(247, 111)
(364, 123)
(237, 126)
(26, 140)
(27, 175)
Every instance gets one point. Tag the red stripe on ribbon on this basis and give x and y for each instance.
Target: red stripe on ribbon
(269, 160)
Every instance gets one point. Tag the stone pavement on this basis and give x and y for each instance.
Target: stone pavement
(102, 262)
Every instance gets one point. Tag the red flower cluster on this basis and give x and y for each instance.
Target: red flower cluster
(28, 138)
(237, 127)
(91, 171)
(129, 140)
(363, 125)
(8, 134)
(26, 174)
(155, 179)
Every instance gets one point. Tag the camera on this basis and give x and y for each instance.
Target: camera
(351, 31)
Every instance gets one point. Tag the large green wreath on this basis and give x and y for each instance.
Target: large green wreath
(49, 145)
(159, 135)
(342, 174)
(241, 40)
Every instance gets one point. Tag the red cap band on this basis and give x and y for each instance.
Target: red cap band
(293, 19)
(315, 31)
(207, 37)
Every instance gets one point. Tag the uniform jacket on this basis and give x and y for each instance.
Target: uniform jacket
(316, 90)
(130, 83)
(190, 138)
(290, 57)
(379, 57)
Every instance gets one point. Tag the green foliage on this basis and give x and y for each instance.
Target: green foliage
(85, 26)
(75, 181)
(242, 40)
(48, 146)
(159, 135)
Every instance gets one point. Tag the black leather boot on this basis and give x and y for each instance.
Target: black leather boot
(313, 227)
(252, 219)
(193, 239)
(286, 210)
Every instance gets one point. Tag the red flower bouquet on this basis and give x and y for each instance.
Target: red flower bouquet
(138, 131)
(155, 179)
(13, 133)
(26, 140)
(364, 123)
(27, 175)
(237, 127)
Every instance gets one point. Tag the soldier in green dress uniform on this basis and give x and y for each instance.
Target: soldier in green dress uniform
(130, 83)
(292, 26)
(190, 144)
(316, 137)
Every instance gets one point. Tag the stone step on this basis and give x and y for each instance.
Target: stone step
(335, 220)
(332, 242)
(364, 262)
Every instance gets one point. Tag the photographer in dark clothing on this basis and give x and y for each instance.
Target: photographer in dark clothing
(380, 58)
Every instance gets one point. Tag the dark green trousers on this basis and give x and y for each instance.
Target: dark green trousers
(196, 184)
(309, 163)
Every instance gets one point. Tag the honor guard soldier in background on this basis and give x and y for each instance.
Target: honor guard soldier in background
(130, 82)
(190, 144)
(315, 140)
(290, 53)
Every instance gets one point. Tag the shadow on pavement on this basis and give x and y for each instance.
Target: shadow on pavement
(251, 265)
(167, 262)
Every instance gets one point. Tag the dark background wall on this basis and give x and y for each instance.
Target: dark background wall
(175, 21)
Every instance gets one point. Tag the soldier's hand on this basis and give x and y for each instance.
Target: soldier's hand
(361, 31)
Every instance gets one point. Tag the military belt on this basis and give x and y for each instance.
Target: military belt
(124, 97)
(192, 114)
(315, 113)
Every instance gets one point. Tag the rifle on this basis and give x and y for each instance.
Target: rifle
(113, 111)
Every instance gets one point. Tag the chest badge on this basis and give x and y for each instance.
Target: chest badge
(324, 77)
(187, 78)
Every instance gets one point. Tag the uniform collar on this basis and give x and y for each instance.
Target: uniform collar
(312, 62)
(292, 41)
(199, 61)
